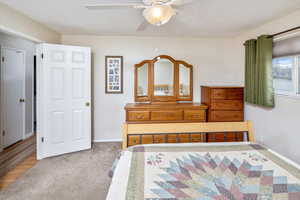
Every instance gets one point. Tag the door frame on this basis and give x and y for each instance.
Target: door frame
(39, 102)
(2, 96)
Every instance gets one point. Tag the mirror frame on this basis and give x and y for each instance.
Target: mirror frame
(175, 86)
(162, 99)
(142, 98)
(189, 97)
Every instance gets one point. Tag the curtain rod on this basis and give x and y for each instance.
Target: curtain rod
(286, 31)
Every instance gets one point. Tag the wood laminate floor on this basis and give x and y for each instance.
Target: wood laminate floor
(16, 172)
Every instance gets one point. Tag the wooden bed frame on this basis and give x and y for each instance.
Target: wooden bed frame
(186, 128)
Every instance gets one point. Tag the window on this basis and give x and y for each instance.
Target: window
(286, 75)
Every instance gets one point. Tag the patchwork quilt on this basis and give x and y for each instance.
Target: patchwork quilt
(226, 171)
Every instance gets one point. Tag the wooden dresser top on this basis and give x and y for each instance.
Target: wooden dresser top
(165, 106)
(224, 87)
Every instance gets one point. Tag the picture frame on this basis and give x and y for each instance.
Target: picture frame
(114, 74)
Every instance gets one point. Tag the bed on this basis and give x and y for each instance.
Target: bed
(194, 171)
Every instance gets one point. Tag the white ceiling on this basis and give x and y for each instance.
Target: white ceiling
(213, 18)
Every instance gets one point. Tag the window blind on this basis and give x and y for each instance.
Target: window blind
(287, 47)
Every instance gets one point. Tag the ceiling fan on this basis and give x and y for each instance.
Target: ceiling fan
(155, 12)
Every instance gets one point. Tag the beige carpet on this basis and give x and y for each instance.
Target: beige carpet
(77, 176)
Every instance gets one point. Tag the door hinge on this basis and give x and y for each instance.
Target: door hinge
(3, 133)
(42, 139)
(42, 55)
(2, 59)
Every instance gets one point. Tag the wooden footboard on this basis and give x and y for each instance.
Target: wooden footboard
(134, 134)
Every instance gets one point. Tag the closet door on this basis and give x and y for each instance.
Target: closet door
(64, 98)
(12, 95)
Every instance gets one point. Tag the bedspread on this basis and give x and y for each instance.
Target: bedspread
(241, 171)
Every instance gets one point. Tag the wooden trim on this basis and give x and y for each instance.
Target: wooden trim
(168, 128)
(136, 97)
(223, 87)
(125, 132)
(121, 75)
(164, 57)
(250, 131)
(175, 81)
(187, 127)
(190, 97)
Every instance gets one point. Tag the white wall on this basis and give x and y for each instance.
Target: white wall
(216, 62)
(207, 55)
(29, 48)
(277, 128)
(13, 22)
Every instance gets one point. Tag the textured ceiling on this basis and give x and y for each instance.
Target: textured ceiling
(208, 18)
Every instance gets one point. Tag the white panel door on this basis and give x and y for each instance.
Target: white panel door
(12, 93)
(64, 111)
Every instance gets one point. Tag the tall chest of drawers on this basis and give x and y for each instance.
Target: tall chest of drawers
(225, 104)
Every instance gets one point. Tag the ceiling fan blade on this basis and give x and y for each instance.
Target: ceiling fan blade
(142, 26)
(179, 3)
(114, 6)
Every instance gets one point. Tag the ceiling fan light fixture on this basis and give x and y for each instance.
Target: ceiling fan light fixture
(159, 14)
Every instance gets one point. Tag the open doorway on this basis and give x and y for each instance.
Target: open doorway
(17, 97)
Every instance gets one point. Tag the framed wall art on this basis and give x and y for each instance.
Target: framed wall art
(113, 74)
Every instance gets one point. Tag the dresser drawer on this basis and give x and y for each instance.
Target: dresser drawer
(235, 94)
(218, 93)
(138, 115)
(184, 138)
(198, 138)
(197, 115)
(234, 137)
(167, 115)
(172, 138)
(227, 105)
(147, 139)
(216, 137)
(152, 139)
(160, 138)
(226, 116)
(225, 137)
(133, 140)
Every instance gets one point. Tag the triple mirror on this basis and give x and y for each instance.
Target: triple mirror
(163, 79)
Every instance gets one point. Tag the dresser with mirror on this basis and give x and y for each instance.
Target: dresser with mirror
(163, 93)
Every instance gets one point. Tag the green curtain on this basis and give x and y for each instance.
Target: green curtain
(258, 71)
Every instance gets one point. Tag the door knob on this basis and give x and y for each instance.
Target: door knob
(22, 100)
(87, 104)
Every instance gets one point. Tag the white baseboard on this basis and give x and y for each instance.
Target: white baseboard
(27, 135)
(110, 140)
